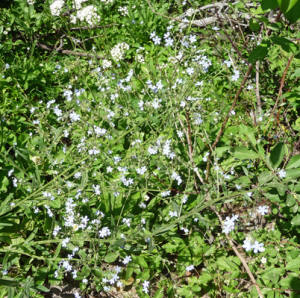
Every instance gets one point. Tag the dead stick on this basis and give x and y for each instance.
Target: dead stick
(227, 117)
(282, 83)
(257, 87)
(67, 52)
(242, 259)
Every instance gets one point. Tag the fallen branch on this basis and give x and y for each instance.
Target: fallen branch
(67, 52)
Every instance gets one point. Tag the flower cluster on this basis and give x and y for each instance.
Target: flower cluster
(250, 244)
(56, 7)
(87, 14)
(118, 51)
(228, 224)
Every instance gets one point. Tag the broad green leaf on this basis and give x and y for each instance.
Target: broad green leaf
(249, 133)
(259, 53)
(283, 4)
(265, 177)
(273, 274)
(285, 44)
(292, 282)
(293, 13)
(277, 155)
(294, 162)
(293, 173)
(141, 261)
(296, 220)
(111, 256)
(244, 153)
(269, 4)
(293, 265)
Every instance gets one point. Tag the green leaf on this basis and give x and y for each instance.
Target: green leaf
(141, 261)
(265, 177)
(291, 282)
(285, 44)
(269, 4)
(9, 282)
(293, 173)
(293, 265)
(283, 4)
(259, 53)
(111, 257)
(277, 155)
(296, 220)
(244, 153)
(294, 162)
(293, 12)
(273, 274)
(42, 288)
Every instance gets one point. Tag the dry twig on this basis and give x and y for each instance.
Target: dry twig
(227, 117)
(67, 52)
(242, 259)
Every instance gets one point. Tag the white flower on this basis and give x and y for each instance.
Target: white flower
(247, 245)
(104, 232)
(152, 150)
(106, 64)
(88, 14)
(165, 193)
(56, 7)
(263, 210)
(118, 51)
(156, 40)
(235, 76)
(74, 117)
(146, 286)
(258, 247)
(96, 189)
(263, 260)
(65, 242)
(282, 173)
(173, 214)
(229, 223)
(189, 268)
(141, 170)
(126, 260)
(227, 63)
(77, 175)
(78, 3)
(176, 177)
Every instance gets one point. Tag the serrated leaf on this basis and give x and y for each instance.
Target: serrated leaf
(277, 155)
(244, 153)
(294, 162)
(273, 274)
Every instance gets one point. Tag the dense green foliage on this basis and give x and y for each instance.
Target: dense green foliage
(146, 153)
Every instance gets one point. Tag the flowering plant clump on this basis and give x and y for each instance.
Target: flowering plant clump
(149, 149)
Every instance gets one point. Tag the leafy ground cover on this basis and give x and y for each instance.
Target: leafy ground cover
(150, 148)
